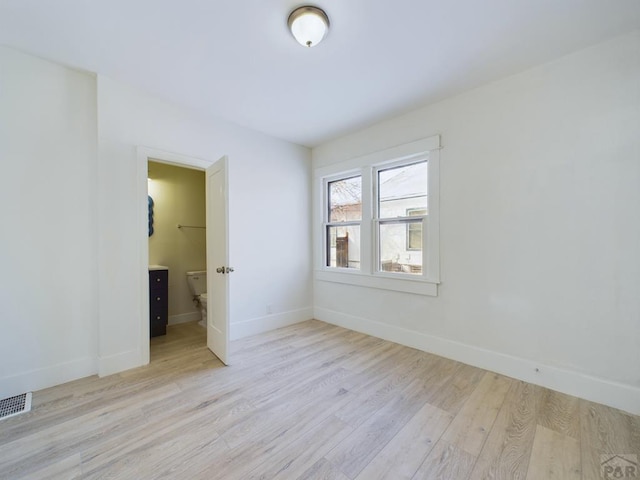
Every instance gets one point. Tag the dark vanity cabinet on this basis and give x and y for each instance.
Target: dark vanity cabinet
(158, 301)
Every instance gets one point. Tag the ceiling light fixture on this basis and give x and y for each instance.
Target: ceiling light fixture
(309, 25)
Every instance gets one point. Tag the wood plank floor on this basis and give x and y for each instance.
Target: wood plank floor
(310, 401)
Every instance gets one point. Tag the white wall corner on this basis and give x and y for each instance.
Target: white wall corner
(269, 322)
(613, 394)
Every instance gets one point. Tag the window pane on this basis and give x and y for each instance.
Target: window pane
(395, 256)
(343, 246)
(402, 188)
(345, 200)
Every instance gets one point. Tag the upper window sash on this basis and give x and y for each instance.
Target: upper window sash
(391, 165)
(344, 199)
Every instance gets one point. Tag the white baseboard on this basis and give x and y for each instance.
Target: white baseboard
(119, 362)
(617, 395)
(184, 318)
(47, 377)
(269, 322)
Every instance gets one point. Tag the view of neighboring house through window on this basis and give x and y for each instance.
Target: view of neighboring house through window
(401, 214)
(414, 231)
(343, 226)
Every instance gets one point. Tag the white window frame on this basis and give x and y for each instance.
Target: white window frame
(377, 220)
(327, 223)
(367, 167)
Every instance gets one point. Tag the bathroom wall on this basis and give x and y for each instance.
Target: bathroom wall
(539, 232)
(48, 237)
(179, 198)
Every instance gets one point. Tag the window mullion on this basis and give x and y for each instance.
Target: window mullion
(366, 237)
(431, 235)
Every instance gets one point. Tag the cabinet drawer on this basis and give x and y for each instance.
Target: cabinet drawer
(158, 278)
(157, 325)
(158, 302)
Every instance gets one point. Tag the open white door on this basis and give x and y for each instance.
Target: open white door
(218, 269)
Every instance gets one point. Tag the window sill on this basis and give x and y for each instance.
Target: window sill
(380, 281)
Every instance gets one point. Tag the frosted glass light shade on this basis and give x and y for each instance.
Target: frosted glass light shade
(309, 25)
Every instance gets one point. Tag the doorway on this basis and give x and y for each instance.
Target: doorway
(177, 246)
(216, 208)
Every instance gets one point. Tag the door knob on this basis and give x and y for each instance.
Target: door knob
(229, 269)
(220, 270)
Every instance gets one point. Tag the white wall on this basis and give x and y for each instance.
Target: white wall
(540, 228)
(48, 264)
(269, 230)
(70, 273)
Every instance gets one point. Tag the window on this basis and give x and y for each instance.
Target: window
(401, 188)
(344, 214)
(379, 216)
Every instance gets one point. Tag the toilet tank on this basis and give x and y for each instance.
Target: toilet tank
(197, 282)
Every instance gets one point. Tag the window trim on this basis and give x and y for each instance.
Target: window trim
(367, 166)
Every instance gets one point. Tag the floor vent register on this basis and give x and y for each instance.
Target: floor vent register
(12, 406)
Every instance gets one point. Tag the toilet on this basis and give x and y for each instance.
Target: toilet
(203, 307)
(197, 281)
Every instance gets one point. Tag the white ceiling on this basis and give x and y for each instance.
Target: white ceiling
(236, 60)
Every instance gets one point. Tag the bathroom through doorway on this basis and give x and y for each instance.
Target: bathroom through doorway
(177, 240)
(180, 207)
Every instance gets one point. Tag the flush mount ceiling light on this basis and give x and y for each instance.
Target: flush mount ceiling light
(309, 25)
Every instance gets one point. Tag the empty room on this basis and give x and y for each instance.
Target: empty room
(339, 240)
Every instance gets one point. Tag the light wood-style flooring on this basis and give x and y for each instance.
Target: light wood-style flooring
(310, 401)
